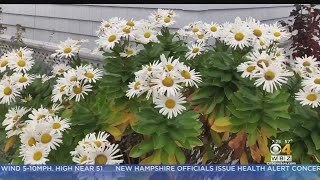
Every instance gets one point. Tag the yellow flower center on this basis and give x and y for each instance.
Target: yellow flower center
(101, 159)
(195, 29)
(306, 63)
(126, 30)
(147, 34)
(129, 51)
(23, 79)
(277, 34)
(312, 97)
(169, 67)
(3, 63)
(317, 81)
(168, 82)
(278, 54)
(37, 155)
(107, 25)
(31, 141)
(136, 85)
(130, 23)
(257, 32)
(77, 90)
(73, 78)
(97, 143)
(46, 138)
(213, 29)
(149, 68)
(200, 36)
(309, 70)
(21, 63)
(16, 117)
(61, 70)
(7, 91)
(269, 75)
(62, 88)
(261, 43)
(56, 125)
(40, 116)
(19, 53)
(239, 36)
(84, 158)
(185, 74)
(112, 38)
(167, 20)
(195, 50)
(170, 103)
(67, 50)
(89, 75)
(250, 68)
(264, 61)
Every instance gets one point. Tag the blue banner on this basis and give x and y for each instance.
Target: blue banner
(161, 172)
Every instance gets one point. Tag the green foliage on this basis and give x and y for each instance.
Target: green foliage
(166, 134)
(253, 109)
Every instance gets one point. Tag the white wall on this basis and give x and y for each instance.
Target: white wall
(56, 22)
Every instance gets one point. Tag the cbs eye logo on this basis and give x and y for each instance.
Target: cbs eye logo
(276, 149)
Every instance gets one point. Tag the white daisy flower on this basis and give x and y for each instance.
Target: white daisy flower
(170, 105)
(307, 61)
(91, 74)
(39, 114)
(167, 83)
(271, 77)
(28, 138)
(23, 52)
(145, 35)
(27, 98)
(100, 140)
(190, 77)
(79, 91)
(248, 69)
(4, 60)
(47, 136)
(59, 69)
(136, 88)
(23, 80)
(129, 51)
(68, 48)
(213, 29)
(80, 155)
(195, 50)
(241, 37)
(58, 92)
(8, 92)
(312, 83)
(13, 116)
(37, 154)
(168, 63)
(277, 32)
(21, 64)
(108, 40)
(58, 124)
(308, 97)
(105, 155)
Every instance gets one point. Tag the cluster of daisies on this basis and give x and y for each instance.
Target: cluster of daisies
(96, 149)
(143, 31)
(308, 68)
(164, 81)
(40, 130)
(268, 69)
(238, 35)
(74, 83)
(14, 67)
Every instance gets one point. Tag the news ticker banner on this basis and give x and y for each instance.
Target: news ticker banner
(183, 172)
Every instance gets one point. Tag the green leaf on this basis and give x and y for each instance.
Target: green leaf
(316, 139)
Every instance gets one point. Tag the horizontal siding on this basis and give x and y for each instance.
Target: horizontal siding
(81, 21)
